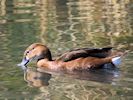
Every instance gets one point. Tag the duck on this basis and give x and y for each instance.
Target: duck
(77, 59)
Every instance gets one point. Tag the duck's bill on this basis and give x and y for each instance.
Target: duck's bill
(24, 62)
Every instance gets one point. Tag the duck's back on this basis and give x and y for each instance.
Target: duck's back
(85, 52)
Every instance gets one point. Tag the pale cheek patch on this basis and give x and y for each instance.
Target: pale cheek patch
(27, 58)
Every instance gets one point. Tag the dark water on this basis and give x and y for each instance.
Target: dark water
(63, 25)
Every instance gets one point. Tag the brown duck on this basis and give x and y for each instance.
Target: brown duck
(78, 59)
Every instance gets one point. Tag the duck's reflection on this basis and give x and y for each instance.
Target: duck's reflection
(40, 77)
(35, 78)
(105, 75)
(99, 75)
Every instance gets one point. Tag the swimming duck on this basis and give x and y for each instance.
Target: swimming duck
(78, 59)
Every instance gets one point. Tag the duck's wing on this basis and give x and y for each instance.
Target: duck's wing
(85, 52)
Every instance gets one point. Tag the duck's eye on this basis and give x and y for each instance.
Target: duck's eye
(28, 52)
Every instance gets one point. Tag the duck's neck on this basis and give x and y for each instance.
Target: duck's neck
(46, 55)
(43, 63)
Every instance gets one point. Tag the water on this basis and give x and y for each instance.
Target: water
(63, 25)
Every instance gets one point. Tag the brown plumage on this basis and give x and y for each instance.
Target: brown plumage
(85, 52)
(79, 59)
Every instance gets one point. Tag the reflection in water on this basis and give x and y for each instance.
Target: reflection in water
(70, 22)
(81, 85)
(41, 77)
(100, 75)
(36, 78)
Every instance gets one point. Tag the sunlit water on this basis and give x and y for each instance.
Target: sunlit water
(63, 25)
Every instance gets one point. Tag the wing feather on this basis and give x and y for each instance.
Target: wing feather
(85, 52)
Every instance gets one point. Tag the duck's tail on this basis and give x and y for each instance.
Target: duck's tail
(116, 61)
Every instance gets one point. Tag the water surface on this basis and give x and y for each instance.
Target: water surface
(63, 25)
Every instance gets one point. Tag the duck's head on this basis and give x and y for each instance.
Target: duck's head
(37, 52)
